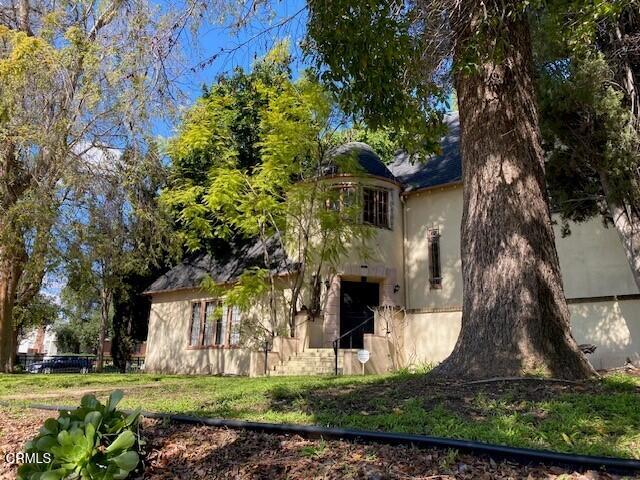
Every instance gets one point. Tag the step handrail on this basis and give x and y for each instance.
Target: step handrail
(336, 342)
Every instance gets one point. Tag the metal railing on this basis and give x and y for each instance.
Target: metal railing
(349, 333)
(268, 346)
(39, 363)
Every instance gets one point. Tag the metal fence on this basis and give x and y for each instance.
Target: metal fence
(47, 364)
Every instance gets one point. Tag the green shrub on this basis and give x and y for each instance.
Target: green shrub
(95, 441)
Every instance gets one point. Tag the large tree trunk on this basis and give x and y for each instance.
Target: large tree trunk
(11, 259)
(105, 305)
(10, 271)
(515, 317)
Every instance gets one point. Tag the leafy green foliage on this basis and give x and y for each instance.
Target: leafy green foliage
(371, 55)
(382, 140)
(94, 441)
(40, 311)
(588, 128)
(79, 335)
(78, 330)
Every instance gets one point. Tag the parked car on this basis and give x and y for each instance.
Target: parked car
(62, 364)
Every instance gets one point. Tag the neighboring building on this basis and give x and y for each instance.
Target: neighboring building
(417, 210)
(41, 341)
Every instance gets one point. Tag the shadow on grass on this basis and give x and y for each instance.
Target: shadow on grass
(596, 418)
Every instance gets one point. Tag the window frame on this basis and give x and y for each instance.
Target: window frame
(433, 239)
(346, 195)
(225, 328)
(350, 193)
(386, 194)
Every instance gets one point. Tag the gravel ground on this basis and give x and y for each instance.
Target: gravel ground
(176, 451)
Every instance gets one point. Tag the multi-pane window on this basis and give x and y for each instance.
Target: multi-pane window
(209, 318)
(375, 203)
(194, 338)
(234, 337)
(375, 207)
(435, 271)
(220, 330)
(341, 198)
(213, 324)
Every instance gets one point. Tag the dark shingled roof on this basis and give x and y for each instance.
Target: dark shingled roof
(224, 267)
(437, 170)
(368, 160)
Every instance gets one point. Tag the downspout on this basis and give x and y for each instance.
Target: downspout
(405, 290)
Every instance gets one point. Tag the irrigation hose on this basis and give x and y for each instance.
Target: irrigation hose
(521, 455)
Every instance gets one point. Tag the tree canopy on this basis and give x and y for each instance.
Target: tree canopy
(588, 66)
(76, 77)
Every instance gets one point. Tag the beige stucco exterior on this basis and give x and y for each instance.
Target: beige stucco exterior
(594, 270)
(604, 301)
(381, 261)
(613, 326)
(438, 208)
(168, 340)
(593, 262)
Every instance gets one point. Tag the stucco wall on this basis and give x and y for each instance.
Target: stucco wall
(430, 337)
(168, 340)
(385, 248)
(441, 208)
(612, 326)
(381, 261)
(593, 262)
(592, 259)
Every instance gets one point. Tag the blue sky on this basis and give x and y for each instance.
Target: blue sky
(287, 19)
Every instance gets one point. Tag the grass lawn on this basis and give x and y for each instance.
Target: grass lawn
(597, 418)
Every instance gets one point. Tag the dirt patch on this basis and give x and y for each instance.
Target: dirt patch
(199, 452)
(16, 428)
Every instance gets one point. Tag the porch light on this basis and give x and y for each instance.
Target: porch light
(396, 288)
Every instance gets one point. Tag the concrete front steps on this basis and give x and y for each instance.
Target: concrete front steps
(313, 361)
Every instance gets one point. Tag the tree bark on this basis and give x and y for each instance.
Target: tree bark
(105, 305)
(515, 317)
(11, 253)
(10, 271)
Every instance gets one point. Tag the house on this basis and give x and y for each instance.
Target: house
(40, 340)
(412, 282)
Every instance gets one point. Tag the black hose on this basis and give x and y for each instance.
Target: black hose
(520, 455)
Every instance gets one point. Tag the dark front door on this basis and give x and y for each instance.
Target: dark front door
(355, 300)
